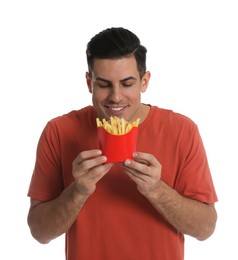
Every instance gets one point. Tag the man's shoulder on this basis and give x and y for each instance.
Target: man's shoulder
(170, 115)
(75, 120)
(80, 114)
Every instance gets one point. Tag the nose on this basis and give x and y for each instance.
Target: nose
(115, 94)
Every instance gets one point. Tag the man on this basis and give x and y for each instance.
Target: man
(136, 209)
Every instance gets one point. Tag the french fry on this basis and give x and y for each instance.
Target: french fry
(123, 126)
(99, 123)
(116, 125)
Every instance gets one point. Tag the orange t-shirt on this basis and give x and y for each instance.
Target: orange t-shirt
(117, 222)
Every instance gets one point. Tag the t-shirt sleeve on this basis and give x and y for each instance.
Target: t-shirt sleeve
(46, 182)
(195, 179)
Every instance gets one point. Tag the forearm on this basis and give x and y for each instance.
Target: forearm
(188, 216)
(48, 220)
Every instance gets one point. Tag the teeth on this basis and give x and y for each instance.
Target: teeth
(116, 108)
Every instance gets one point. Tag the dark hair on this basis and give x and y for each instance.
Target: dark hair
(116, 43)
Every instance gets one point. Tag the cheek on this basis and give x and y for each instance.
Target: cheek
(134, 95)
(99, 96)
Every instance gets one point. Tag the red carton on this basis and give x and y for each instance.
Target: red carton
(117, 148)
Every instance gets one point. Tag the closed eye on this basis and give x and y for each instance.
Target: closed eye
(102, 83)
(127, 83)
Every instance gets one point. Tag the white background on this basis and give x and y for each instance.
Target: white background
(193, 59)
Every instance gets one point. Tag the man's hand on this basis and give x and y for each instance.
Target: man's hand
(88, 169)
(145, 171)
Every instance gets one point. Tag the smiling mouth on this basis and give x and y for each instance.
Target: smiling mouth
(116, 109)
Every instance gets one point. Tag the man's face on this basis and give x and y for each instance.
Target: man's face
(116, 88)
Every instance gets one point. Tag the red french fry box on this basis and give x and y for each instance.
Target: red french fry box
(117, 148)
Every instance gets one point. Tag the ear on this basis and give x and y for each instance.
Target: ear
(145, 81)
(89, 82)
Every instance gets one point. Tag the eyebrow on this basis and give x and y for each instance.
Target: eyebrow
(122, 80)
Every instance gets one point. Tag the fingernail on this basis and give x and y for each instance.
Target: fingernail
(99, 152)
(103, 158)
(135, 154)
(127, 162)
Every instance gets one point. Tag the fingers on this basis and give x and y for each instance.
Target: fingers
(145, 158)
(145, 171)
(143, 163)
(86, 155)
(88, 169)
(88, 160)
